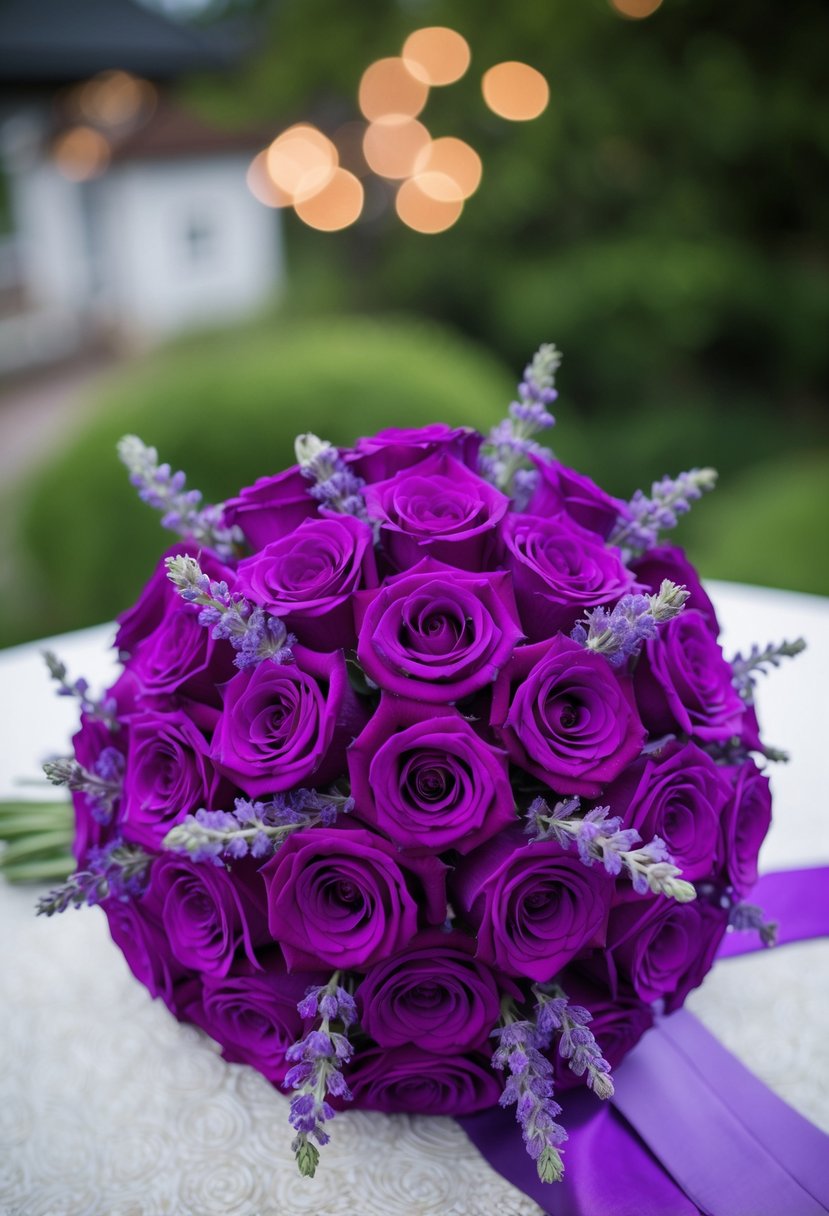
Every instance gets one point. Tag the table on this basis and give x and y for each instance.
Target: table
(108, 1107)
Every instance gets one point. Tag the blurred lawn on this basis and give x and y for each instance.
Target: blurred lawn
(226, 407)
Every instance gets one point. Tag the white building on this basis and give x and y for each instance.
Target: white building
(131, 218)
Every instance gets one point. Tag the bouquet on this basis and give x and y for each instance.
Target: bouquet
(426, 784)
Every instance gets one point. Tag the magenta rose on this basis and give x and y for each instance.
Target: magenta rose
(272, 507)
(669, 561)
(421, 775)
(533, 905)
(684, 683)
(309, 576)
(433, 994)
(438, 509)
(136, 927)
(437, 634)
(208, 914)
(169, 774)
(287, 724)
(422, 1082)
(252, 1013)
(618, 1024)
(560, 488)
(378, 457)
(745, 823)
(566, 716)
(559, 570)
(678, 795)
(347, 898)
(662, 949)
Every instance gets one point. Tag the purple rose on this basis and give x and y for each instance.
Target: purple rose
(560, 570)
(100, 751)
(438, 509)
(136, 928)
(380, 456)
(272, 507)
(434, 994)
(308, 578)
(678, 795)
(566, 716)
(669, 561)
(437, 634)
(347, 898)
(683, 682)
(208, 914)
(746, 821)
(663, 949)
(618, 1024)
(420, 1082)
(560, 488)
(159, 597)
(253, 1013)
(533, 906)
(181, 658)
(169, 774)
(421, 775)
(285, 725)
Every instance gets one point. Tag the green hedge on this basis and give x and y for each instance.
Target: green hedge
(226, 409)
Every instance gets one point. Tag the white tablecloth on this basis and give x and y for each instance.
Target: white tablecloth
(108, 1107)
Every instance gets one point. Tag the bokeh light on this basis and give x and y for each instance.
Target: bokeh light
(431, 209)
(436, 55)
(388, 87)
(112, 99)
(301, 161)
(515, 91)
(393, 145)
(635, 9)
(262, 186)
(452, 158)
(81, 153)
(335, 206)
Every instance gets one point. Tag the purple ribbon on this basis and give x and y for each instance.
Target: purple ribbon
(690, 1130)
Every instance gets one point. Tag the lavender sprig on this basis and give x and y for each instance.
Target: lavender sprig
(504, 458)
(601, 838)
(118, 869)
(104, 709)
(619, 633)
(744, 917)
(529, 1087)
(638, 528)
(577, 1045)
(334, 484)
(159, 487)
(254, 634)
(103, 785)
(757, 661)
(317, 1074)
(257, 829)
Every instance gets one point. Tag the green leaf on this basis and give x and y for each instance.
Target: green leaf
(307, 1158)
(45, 869)
(550, 1166)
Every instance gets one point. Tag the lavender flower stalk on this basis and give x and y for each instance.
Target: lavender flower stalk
(257, 829)
(505, 456)
(601, 838)
(620, 633)
(254, 634)
(334, 484)
(103, 785)
(104, 709)
(317, 1074)
(119, 870)
(745, 917)
(756, 661)
(158, 486)
(577, 1045)
(638, 529)
(529, 1087)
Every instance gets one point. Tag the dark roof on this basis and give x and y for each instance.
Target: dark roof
(49, 42)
